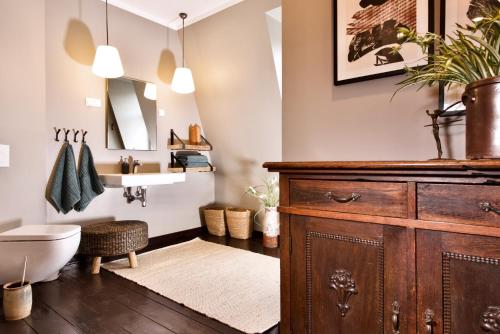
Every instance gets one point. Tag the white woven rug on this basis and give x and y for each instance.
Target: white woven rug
(234, 286)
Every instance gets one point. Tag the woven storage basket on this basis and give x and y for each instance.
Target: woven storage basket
(113, 238)
(239, 222)
(215, 221)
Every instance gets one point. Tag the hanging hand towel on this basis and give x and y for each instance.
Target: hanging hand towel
(90, 184)
(64, 189)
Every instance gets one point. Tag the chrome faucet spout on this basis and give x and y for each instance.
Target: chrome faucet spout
(135, 167)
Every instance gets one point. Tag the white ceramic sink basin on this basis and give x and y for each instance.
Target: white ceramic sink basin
(141, 180)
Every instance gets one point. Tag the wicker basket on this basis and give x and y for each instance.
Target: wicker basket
(113, 238)
(239, 222)
(215, 221)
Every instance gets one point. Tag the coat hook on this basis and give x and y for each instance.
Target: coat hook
(84, 133)
(66, 133)
(75, 134)
(57, 131)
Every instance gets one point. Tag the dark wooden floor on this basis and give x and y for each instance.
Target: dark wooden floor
(79, 302)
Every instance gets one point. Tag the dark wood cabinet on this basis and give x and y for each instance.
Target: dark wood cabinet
(338, 269)
(458, 282)
(390, 247)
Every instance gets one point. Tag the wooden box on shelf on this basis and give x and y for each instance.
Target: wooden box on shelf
(175, 143)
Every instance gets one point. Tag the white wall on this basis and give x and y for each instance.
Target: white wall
(147, 50)
(351, 122)
(238, 95)
(46, 67)
(22, 112)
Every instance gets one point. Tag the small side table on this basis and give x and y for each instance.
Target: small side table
(113, 239)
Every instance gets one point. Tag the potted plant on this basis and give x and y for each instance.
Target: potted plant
(268, 195)
(469, 57)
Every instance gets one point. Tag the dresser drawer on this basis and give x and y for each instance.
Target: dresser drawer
(465, 204)
(372, 198)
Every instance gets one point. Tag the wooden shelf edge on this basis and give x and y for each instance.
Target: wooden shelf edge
(191, 170)
(178, 146)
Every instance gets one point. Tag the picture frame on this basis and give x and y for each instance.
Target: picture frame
(362, 49)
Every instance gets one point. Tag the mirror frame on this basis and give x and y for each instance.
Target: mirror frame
(108, 111)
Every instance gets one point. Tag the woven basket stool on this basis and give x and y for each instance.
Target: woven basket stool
(113, 239)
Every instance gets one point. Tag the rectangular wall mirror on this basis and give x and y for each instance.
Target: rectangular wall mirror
(131, 115)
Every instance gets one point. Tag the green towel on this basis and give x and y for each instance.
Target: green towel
(90, 184)
(187, 153)
(193, 159)
(195, 164)
(64, 190)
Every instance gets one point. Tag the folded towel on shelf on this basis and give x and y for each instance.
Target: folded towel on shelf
(187, 153)
(90, 184)
(193, 159)
(64, 189)
(195, 165)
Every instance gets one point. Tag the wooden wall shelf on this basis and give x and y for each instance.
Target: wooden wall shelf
(192, 170)
(181, 146)
(175, 143)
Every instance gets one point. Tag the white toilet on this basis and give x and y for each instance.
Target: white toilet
(48, 248)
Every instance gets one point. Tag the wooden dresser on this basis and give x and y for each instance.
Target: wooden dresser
(390, 247)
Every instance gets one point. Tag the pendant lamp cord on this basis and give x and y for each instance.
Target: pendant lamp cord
(107, 30)
(183, 43)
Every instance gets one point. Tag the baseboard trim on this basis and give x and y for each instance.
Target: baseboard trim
(154, 243)
(173, 238)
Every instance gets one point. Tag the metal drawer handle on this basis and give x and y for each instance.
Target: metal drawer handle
(429, 321)
(395, 317)
(353, 198)
(488, 207)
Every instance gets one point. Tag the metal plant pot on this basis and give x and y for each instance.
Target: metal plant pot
(482, 100)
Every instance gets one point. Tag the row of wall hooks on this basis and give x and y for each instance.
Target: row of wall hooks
(66, 134)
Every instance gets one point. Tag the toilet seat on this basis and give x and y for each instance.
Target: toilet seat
(40, 233)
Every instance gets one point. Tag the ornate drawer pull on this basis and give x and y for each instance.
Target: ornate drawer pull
(395, 317)
(353, 198)
(429, 321)
(490, 320)
(488, 207)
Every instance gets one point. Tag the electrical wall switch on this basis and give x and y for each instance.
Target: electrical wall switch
(93, 102)
(4, 155)
(161, 112)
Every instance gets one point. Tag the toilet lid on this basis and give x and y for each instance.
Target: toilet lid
(40, 233)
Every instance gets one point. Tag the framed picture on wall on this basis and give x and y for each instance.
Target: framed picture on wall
(462, 12)
(365, 32)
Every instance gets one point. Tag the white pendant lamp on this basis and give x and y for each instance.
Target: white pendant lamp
(183, 82)
(107, 62)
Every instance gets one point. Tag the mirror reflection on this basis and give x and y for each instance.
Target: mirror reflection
(131, 115)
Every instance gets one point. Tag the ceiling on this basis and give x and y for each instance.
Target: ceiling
(166, 12)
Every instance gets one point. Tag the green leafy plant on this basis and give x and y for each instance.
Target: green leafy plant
(471, 53)
(267, 193)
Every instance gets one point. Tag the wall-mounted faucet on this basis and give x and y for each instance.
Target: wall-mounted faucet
(140, 195)
(135, 166)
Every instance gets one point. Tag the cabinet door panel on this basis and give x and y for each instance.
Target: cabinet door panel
(338, 277)
(459, 280)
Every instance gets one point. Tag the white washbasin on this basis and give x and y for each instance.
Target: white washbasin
(141, 180)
